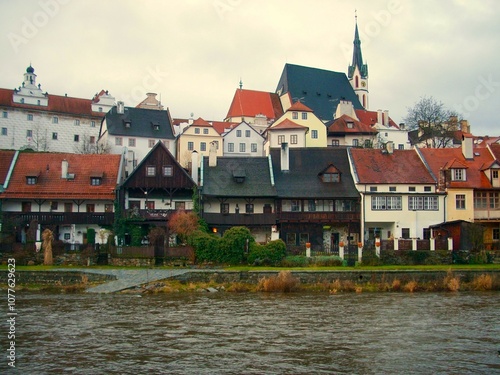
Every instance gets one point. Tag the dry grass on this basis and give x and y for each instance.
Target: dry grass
(396, 285)
(283, 282)
(238, 288)
(451, 283)
(482, 283)
(410, 286)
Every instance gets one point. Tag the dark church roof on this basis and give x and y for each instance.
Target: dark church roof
(321, 90)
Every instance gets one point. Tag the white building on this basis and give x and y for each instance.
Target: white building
(243, 140)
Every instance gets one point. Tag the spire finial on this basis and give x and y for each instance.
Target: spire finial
(356, 15)
(241, 84)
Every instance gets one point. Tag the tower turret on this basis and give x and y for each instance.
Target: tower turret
(357, 71)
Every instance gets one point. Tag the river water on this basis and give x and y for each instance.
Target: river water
(256, 333)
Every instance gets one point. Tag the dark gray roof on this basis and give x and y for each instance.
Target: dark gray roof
(252, 171)
(321, 90)
(303, 178)
(142, 121)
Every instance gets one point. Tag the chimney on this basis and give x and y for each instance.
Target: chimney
(285, 157)
(379, 116)
(464, 126)
(390, 147)
(385, 117)
(120, 108)
(467, 147)
(402, 126)
(64, 169)
(212, 155)
(194, 166)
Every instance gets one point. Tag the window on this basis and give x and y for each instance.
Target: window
(31, 180)
(100, 109)
(314, 134)
(131, 142)
(290, 205)
(230, 147)
(92, 139)
(26, 206)
(150, 171)
(92, 124)
(496, 234)
(249, 208)
(242, 147)
(311, 205)
(460, 201)
(293, 139)
(30, 117)
(118, 141)
(386, 203)
(422, 203)
(392, 188)
(291, 239)
(54, 136)
(151, 143)
(247, 133)
(203, 146)
(95, 181)
(405, 233)
(253, 147)
(55, 120)
(5, 114)
(180, 205)
(29, 133)
(149, 205)
(205, 131)
(494, 174)
(495, 200)
(76, 138)
(238, 133)
(355, 142)
(68, 207)
(368, 143)
(295, 205)
(331, 177)
(373, 188)
(480, 200)
(350, 124)
(303, 238)
(77, 122)
(224, 208)
(295, 115)
(4, 131)
(335, 143)
(412, 188)
(196, 130)
(281, 139)
(90, 207)
(304, 115)
(427, 188)
(168, 171)
(458, 174)
(345, 206)
(67, 236)
(190, 146)
(401, 146)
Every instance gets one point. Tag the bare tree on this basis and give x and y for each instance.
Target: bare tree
(88, 145)
(40, 139)
(432, 123)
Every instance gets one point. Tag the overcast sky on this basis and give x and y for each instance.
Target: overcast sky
(194, 52)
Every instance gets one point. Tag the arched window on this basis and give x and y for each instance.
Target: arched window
(356, 80)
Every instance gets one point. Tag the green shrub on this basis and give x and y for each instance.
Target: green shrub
(328, 261)
(205, 246)
(370, 258)
(270, 254)
(234, 245)
(296, 261)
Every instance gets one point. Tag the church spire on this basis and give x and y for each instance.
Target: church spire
(357, 72)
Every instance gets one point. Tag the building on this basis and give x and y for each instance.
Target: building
(135, 131)
(243, 140)
(33, 119)
(67, 193)
(358, 71)
(348, 131)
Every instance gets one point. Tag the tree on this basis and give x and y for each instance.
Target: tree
(434, 125)
(88, 145)
(183, 224)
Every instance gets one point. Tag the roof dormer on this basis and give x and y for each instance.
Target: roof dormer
(330, 174)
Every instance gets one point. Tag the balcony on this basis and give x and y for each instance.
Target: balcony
(240, 219)
(486, 215)
(61, 218)
(319, 217)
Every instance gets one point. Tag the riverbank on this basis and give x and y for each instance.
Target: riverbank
(219, 280)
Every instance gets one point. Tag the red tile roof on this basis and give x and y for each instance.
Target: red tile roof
(299, 106)
(370, 117)
(221, 126)
(340, 126)
(249, 103)
(446, 158)
(5, 161)
(287, 124)
(57, 104)
(495, 150)
(373, 166)
(51, 185)
(200, 122)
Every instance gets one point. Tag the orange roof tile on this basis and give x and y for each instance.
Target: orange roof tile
(287, 124)
(50, 184)
(249, 103)
(200, 122)
(340, 126)
(401, 167)
(221, 126)
(370, 117)
(299, 106)
(446, 158)
(57, 104)
(495, 150)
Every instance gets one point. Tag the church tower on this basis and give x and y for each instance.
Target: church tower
(30, 92)
(357, 71)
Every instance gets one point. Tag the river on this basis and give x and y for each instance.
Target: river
(256, 333)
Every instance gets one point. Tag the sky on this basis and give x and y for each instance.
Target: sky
(193, 53)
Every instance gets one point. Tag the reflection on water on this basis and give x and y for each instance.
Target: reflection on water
(225, 333)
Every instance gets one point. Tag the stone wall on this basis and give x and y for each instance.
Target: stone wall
(55, 277)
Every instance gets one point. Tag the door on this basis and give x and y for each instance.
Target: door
(334, 244)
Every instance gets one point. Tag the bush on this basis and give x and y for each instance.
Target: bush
(295, 261)
(270, 254)
(370, 258)
(205, 246)
(234, 245)
(328, 261)
(283, 282)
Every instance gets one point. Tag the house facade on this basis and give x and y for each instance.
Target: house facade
(33, 119)
(243, 140)
(68, 193)
(399, 198)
